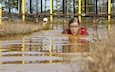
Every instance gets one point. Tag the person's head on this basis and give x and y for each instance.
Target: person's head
(74, 26)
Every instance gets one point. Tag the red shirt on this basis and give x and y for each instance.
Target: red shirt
(82, 31)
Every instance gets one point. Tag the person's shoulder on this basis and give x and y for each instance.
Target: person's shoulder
(83, 31)
(65, 31)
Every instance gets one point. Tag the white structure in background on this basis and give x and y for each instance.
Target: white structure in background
(45, 19)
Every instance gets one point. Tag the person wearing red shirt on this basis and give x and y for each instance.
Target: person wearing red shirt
(74, 28)
(76, 31)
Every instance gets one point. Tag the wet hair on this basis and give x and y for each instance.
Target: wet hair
(72, 20)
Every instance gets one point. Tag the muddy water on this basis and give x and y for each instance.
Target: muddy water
(44, 51)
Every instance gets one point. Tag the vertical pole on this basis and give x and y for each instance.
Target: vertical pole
(56, 4)
(74, 6)
(0, 16)
(109, 12)
(45, 6)
(19, 6)
(64, 7)
(36, 10)
(23, 10)
(30, 6)
(51, 11)
(41, 6)
(64, 10)
(85, 6)
(9, 11)
(96, 7)
(79, 10)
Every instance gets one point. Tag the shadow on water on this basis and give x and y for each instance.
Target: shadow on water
(43, 47)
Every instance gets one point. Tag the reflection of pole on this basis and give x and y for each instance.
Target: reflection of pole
(50, 50)
(30, 48)
(0, 15)
(22, 49)
(51, 11)
(109, 11)
(79, 10)
(0, 50)
(23, 10)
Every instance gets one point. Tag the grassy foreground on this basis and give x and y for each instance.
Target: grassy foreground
(102, 57)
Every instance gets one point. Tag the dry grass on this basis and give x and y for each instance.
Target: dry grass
(18, 28)
(102, 57)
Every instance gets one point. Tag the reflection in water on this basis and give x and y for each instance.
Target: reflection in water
(22, 49)
(76, 45)
(43, 47)
(0, 51)
(109, 26)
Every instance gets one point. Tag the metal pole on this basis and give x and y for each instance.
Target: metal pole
(74, 6)
(30, 6)
(56, 4)
(0, 16)
(19, 6)
(51, 11)
(64, 10)
(96, 7)
(64, 7)
(85, 6)
(23, 10)
(45, 6)
(79, 10)
(9, 11)
(109, 12)
(36, 10)
(41, 6)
